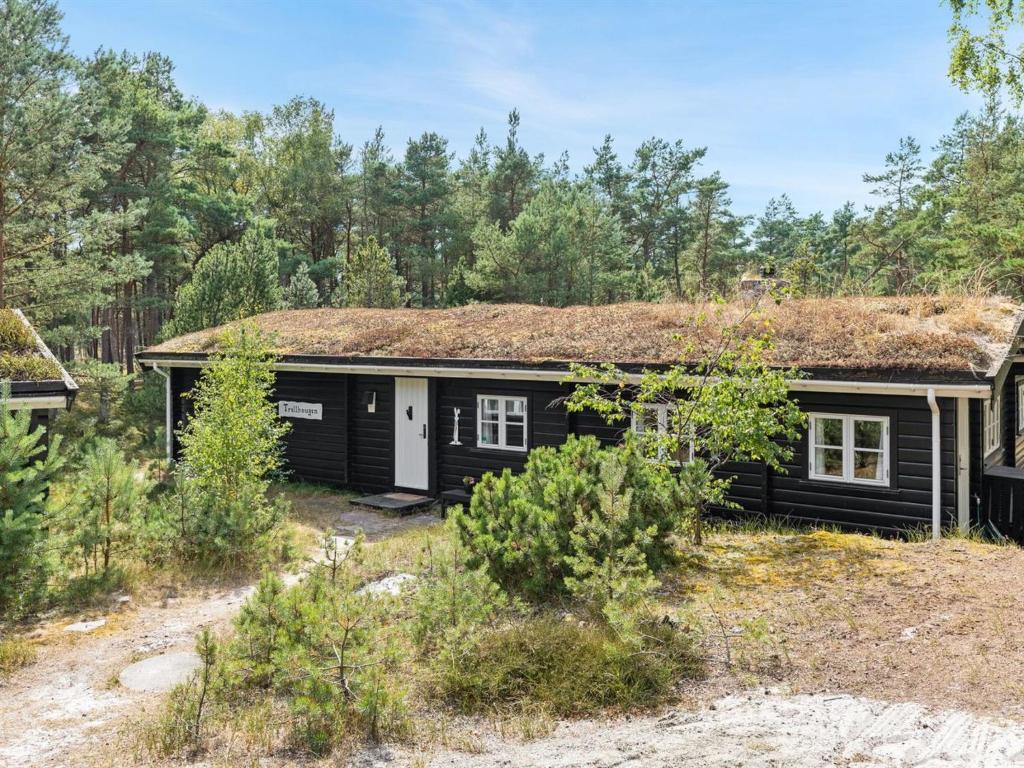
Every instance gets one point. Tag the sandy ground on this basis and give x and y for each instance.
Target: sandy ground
(67, 707)
(762, 731)
(889, 655)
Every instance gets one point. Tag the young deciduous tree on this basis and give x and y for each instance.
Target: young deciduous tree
(721, 403)
(230, 448)
(987, 60)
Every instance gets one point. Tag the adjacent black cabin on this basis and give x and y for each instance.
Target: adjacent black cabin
(34, 377)
(907, 406)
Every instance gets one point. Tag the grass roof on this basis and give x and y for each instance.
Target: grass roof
(20, 356)
(941, 334)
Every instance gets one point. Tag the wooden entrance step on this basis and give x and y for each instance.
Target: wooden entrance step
(395, 502)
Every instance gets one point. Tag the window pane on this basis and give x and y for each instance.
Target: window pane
(647, 420)
(515, 436)
(490, 408)
(488, 433)
(828, 431)
(515, 410)
(828, 461)
(867, 434)
(683, 455)
(867, 465)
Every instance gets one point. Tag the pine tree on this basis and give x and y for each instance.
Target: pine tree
(371, 279)
(301, 292)
(103, 520)
(27, 465)
(233, 281)
(54, 147)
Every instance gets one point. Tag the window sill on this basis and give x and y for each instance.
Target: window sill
(826, 485)
(498, 449)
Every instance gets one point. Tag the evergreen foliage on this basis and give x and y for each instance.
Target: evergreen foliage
(103, 520)
(301, 292)
(234, 280)
(27, 466)
(529, 530)
(371, 280)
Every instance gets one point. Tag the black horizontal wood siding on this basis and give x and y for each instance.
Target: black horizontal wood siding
(354, 448)
(371, 435)
(182, 381)
(907, 502)
(547, 424)
(316, 450)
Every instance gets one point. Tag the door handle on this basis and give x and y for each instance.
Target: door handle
(424, 431)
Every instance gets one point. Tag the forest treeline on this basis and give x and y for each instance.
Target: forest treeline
(130, 211)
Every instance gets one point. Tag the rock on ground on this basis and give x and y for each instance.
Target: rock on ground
(159, 673)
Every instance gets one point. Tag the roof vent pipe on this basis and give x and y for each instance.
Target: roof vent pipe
(936, 467)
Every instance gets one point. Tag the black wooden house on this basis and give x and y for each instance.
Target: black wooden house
(34, 378)
(914, 405)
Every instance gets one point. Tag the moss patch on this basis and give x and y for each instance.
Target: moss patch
(19, 358)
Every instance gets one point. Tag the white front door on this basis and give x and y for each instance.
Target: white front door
(412, 442)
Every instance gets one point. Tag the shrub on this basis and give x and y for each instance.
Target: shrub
(722, 402)
(451, 601)
(27, 466)
(321, 649)
(190, 524)
(15, 653)
(528, 530)
(573, 667)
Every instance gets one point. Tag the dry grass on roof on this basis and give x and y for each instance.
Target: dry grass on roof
(19, 356)
(928, 333)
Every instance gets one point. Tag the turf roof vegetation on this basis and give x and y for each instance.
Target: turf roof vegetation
(941, 334)
(20, 357)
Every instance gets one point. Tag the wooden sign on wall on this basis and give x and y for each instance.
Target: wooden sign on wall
(288, 409)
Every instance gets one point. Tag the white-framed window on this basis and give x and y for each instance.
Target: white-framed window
(656, 417)
(1020, 404)
(501, 422)
(992, 427)
(848, 448)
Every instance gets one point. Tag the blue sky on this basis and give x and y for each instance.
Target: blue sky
(799, 97)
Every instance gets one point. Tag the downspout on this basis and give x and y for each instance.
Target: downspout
(168, 424)
(936, 467)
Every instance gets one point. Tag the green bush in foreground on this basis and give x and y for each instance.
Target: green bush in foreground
(102, 521)
(535, 530)
(318, 654)
(573, 667)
